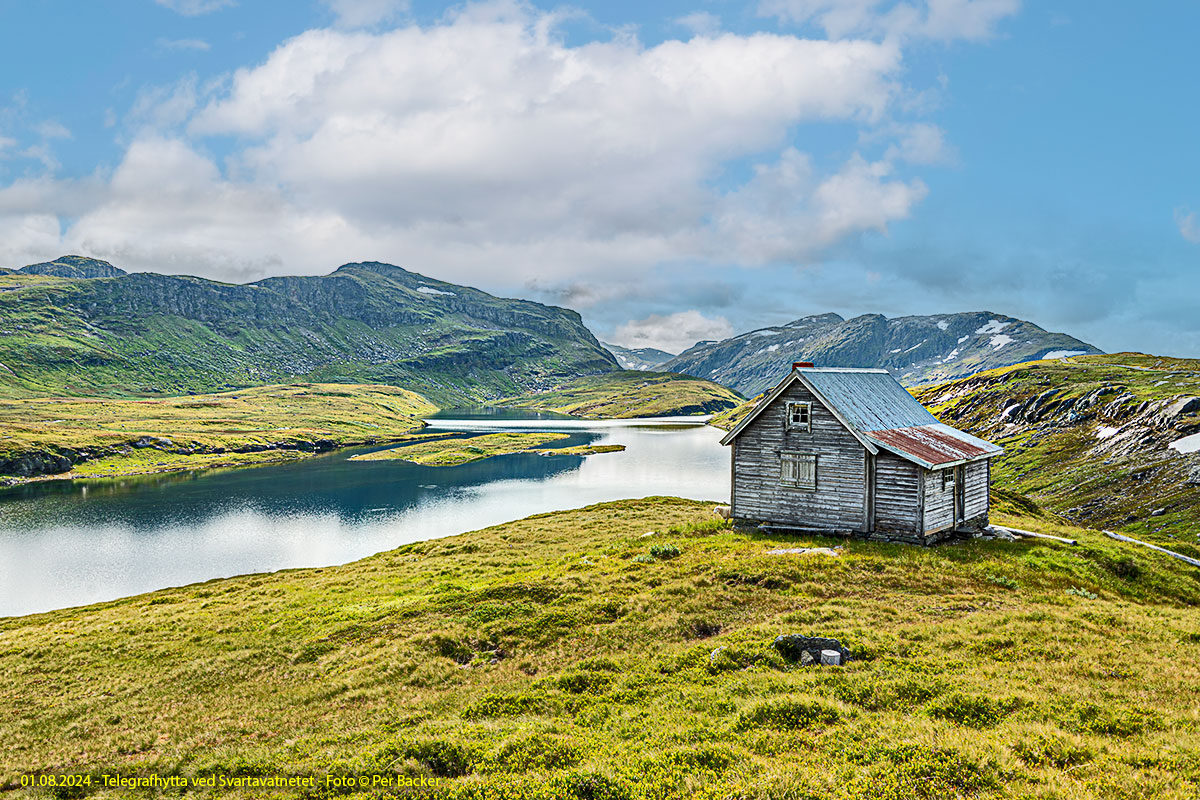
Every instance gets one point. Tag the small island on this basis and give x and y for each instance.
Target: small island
(447, 452)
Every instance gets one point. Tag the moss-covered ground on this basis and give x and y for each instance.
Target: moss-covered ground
(632, 393)
(572, 655)
(107, 437)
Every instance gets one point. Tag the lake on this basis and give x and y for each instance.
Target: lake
(68, 543)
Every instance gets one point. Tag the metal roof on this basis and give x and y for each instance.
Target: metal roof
(870, 400)
(934, 446)
(881, 414)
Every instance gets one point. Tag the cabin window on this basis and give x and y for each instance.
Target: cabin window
(799, 417)
(798, 470)
(948, 479)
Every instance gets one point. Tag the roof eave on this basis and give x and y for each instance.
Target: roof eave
(920, 462)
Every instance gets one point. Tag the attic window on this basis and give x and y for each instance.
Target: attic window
(947, 479)
(798, 470)
(799, 417)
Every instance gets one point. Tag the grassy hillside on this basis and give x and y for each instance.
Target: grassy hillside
(150, 334)
(75, 437)
(728, 420)
(631, 393)
(569, 655)
(1088, 438)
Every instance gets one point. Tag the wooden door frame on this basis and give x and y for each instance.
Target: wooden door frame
(960, 495)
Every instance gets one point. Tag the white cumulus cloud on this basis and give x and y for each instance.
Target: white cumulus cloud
(485, 148)
(673, 333)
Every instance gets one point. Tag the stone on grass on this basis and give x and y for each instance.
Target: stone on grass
(795, 647)
(831, 658)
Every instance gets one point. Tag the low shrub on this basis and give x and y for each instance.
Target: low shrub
(970, 710)
(1003, 581)
(664, 552)
(788, 715)
(538, 751)
(699, 627)
(506, 705)
(1091, 718)
(875, 694)
(584, 682)
(914, 772)
(445, 759)
(588, 786)
(1052, 751)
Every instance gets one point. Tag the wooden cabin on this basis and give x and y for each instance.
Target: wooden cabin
(850, 451)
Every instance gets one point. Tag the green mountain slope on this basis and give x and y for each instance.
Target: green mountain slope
(630, 394)
(1090, 438)
(146, 333)
(916, 349)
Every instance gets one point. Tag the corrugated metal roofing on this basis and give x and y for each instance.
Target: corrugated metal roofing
(881, 414)
(935, 445)
(870, 400)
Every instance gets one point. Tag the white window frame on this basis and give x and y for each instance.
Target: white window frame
(805, 426)
(948, 479)
(798, 470)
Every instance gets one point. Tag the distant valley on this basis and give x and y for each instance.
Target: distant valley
(643, 358)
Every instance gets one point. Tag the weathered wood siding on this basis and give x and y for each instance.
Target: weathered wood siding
(978, 478)
(897, 495)
(839, 501)
(939, 505)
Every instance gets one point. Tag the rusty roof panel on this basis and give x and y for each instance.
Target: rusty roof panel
(934, 445)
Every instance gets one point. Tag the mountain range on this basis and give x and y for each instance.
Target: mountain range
(79, 325)
(99, 330)
(917, 350)
(643, 358)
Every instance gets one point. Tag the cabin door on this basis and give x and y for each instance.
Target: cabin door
(960, 496)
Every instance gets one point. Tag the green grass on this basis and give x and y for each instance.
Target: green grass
(451, 452)
(268, 423)
(557, 657)
(623, 395)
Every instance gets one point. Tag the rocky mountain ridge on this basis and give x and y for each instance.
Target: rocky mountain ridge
(146, 333)
(79, 267)
(917, 350)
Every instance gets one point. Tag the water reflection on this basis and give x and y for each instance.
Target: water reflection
(67, 543)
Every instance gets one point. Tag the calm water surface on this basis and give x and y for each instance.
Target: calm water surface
(66, 543)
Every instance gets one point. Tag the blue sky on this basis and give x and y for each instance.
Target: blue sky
(675, 171)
